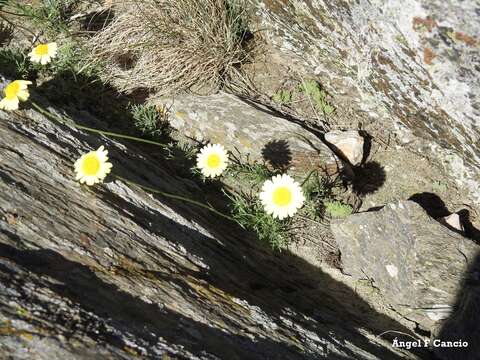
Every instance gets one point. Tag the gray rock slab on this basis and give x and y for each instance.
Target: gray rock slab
(248, 127)
(416, 262)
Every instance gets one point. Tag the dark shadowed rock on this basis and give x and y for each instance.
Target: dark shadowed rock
(462, 325)
(416, 262)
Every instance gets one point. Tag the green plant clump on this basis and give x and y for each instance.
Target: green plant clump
(315, 190)
(50, 15)
(282, 97)
(175, 46)
(338, 209)
(71, 58)
(249, 214)
(254, 173)
(15, 64)
(149, 119)
(312, 89)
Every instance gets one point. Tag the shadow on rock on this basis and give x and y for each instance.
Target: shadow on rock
(90, 102)
(129, 314)
(97, 21)
(470, 231)
(277, 153)
(431, 203)
(368, 178)
(367, 145)
(6, 33)
(273, 282)
(462, 327)
(436, 208)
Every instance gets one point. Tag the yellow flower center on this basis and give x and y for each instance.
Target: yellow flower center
(282, 196)
(12, 90)
(91, 165)
(41, 50)
(213, 161)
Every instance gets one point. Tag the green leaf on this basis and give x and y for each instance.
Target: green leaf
(338, 209)
(282, 97)
(328, 109)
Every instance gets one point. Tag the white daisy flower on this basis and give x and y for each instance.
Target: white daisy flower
(93, 167)
(15, 92)
(281, 196)
(43, 53)
(212, 160)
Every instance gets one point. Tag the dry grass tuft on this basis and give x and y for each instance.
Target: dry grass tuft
(173, 45)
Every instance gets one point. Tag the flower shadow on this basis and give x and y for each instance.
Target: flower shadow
(277, 153)
(368, 178)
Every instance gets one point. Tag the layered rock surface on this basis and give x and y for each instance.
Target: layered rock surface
(112, 271)
(419, 265)
(411, 66)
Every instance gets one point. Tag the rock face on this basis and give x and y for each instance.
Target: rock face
(405, 64)
(114, 272)
(250, 128)
(416, 262)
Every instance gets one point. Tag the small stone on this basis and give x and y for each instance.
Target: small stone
(349, 144)
(392, 270)
(109, 252)
(453, 221)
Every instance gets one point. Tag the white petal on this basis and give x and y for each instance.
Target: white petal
(23, 95)
(9, 105)
(52, 47)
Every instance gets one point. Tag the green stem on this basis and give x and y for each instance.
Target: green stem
(89, 129)
(308, 177)
(149, 189)
(176, 197)
(14, 14)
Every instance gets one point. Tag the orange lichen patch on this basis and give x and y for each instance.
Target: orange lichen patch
(467, 39)
(383, 60)
(428, 56)
(11, 218)
(130, 351)
(6, 329)
(420, 24)
(277, 6)
(382, 85)
(85, 240)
